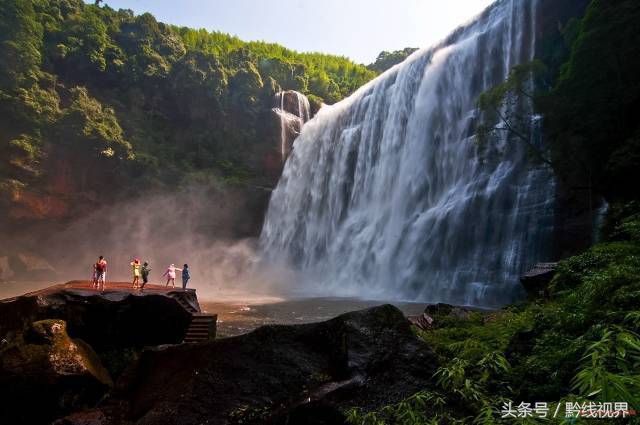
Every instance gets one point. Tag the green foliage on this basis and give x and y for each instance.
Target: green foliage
(591, 112)
(582, 345)
(386, 60)
(20, 43)
(95, 128)
(329, 77)
(588, 92)
(610, 367)
(504, 113)
(129, 97)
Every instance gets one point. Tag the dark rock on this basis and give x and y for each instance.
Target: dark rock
(446, 310)
(291, 110)
(115, 318)
(536, 281)
(316, 104)
(294, 103)
(90, 417)
(281, 374)
(48, 374)
(423, 321)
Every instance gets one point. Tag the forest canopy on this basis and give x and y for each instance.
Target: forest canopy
(125, 97)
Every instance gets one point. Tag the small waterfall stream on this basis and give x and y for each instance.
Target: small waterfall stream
(294, 110)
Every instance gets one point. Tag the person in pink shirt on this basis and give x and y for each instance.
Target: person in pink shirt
(171, 275)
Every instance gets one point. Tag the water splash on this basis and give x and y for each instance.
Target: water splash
(386, 194)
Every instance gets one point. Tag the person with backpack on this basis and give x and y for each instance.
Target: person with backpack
(101, 272)
(185, 276)
(145, 274)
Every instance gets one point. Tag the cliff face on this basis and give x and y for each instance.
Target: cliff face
(574, 209)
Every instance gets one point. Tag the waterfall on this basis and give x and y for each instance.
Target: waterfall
(386, 194)
(294, 110)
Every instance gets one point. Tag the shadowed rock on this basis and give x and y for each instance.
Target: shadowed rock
(279, 374)
(116, 317)
(45, 373)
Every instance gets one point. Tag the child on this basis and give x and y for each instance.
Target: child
(185, 276)
(171, 275)
(136, 273)
(145, 274)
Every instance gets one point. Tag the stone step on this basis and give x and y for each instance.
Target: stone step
(201, 328)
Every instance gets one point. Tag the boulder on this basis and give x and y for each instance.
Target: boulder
(536, 281)
(423, 321)
(107, 320)
(438, 315)
(279, 374)
(45, 374)
(446, 310)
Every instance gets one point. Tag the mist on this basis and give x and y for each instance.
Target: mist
(203, 227)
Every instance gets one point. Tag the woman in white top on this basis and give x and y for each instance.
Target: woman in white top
(171, 275)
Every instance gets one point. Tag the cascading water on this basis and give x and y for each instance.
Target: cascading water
(294, 110)
(386, 194)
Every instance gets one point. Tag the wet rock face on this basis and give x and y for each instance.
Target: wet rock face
(279, 374)
(291, 110)
(46, 374)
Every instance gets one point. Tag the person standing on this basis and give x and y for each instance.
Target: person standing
(145, 274)
(171, 275)
(136, 273)
(185, 276)
(101, 272)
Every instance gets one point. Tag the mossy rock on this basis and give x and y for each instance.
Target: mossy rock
(48, 369)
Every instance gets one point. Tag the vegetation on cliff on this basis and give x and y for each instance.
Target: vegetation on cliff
(92, 99)
(588, 92)
(386, 60)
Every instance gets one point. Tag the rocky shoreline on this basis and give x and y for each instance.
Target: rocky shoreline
(118, 358)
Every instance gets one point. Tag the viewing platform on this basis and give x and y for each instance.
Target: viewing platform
(154, 315)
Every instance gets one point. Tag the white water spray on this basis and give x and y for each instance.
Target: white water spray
(386, 194)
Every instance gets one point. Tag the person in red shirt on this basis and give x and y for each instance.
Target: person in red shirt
(101, 272)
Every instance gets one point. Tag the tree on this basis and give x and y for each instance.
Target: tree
(20, 43)
(503, 111)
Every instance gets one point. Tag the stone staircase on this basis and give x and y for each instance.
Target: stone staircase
(202, 328)
(190, 308)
